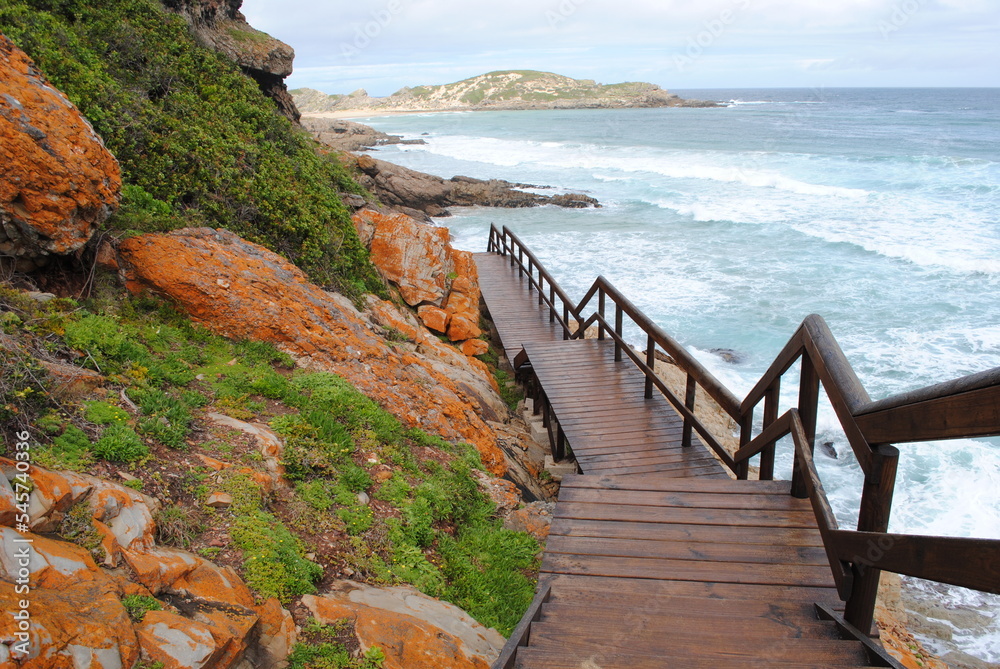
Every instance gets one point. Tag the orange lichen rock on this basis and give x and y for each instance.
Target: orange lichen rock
(59, 181)
(412, 629)
(244, 291)
(430, 274)
(76, 611)
(434, 318)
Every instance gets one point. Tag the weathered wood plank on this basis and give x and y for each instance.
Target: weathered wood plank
(687, 570)
(684, 499)
(685, 532)
(713, 552)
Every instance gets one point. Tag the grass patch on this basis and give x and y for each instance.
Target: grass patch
(324, 647)
(139, 605)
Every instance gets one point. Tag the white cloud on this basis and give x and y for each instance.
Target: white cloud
(391, 43)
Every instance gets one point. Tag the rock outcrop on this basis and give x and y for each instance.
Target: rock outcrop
(402, 187)
(517, 89)
(242, 290)
(58, 182)
(219, 25)
(208, 617)
(412, 629)
(342, 135)
(429, 273)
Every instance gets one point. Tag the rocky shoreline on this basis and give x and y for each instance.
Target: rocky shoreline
(417, 194)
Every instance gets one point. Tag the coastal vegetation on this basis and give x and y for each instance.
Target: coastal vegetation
(198, 143)
(365, 496)
(352, 493)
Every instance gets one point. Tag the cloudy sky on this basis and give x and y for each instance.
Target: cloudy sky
(383, 45)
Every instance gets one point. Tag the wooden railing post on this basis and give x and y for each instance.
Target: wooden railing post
(531, 275)
(618, 331)
(770, 415)
(651, 363)
(876, 506)
(808, 407)
(600, 310)
(689, 395)
(746, 435)
(552, 301)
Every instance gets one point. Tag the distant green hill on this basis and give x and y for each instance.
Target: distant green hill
(510, 89)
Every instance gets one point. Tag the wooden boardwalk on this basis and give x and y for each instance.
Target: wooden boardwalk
(515, 311)
(648, 571)
(601, 409)
(656, 557)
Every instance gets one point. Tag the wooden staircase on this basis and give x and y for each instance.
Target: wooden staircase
(661, 553)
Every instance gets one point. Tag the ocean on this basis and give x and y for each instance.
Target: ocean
(878, 209)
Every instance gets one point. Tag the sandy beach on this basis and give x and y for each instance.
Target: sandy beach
(371, 113)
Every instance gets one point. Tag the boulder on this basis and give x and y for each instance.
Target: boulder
(176, 641)
(420, 261)
(434, 318)
(462, 327)
(270, 299)
(501, 492)
(534, 518)
(413, 256)
(59, 182)
(474, 347)
(71, 382)
(78, 625)
(275, 634)
(123, 516)
(343, 135)
(272, 447)
(412, 629)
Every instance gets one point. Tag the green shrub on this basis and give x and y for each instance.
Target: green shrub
(70, 450)
(120, 443)
(315, 494)
(396, 491)
(274, 558)
(166, 418)
(355, 478)
(320, 647)
(103, 413)
(197, 141)
(358, 518)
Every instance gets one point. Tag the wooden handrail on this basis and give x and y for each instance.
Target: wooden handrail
(968, 563)
(680, 407)
(966, 407)
(522, 633)
(943, 412)
(776, 430)
(825, 519)
(517, 251)
(722, 395)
